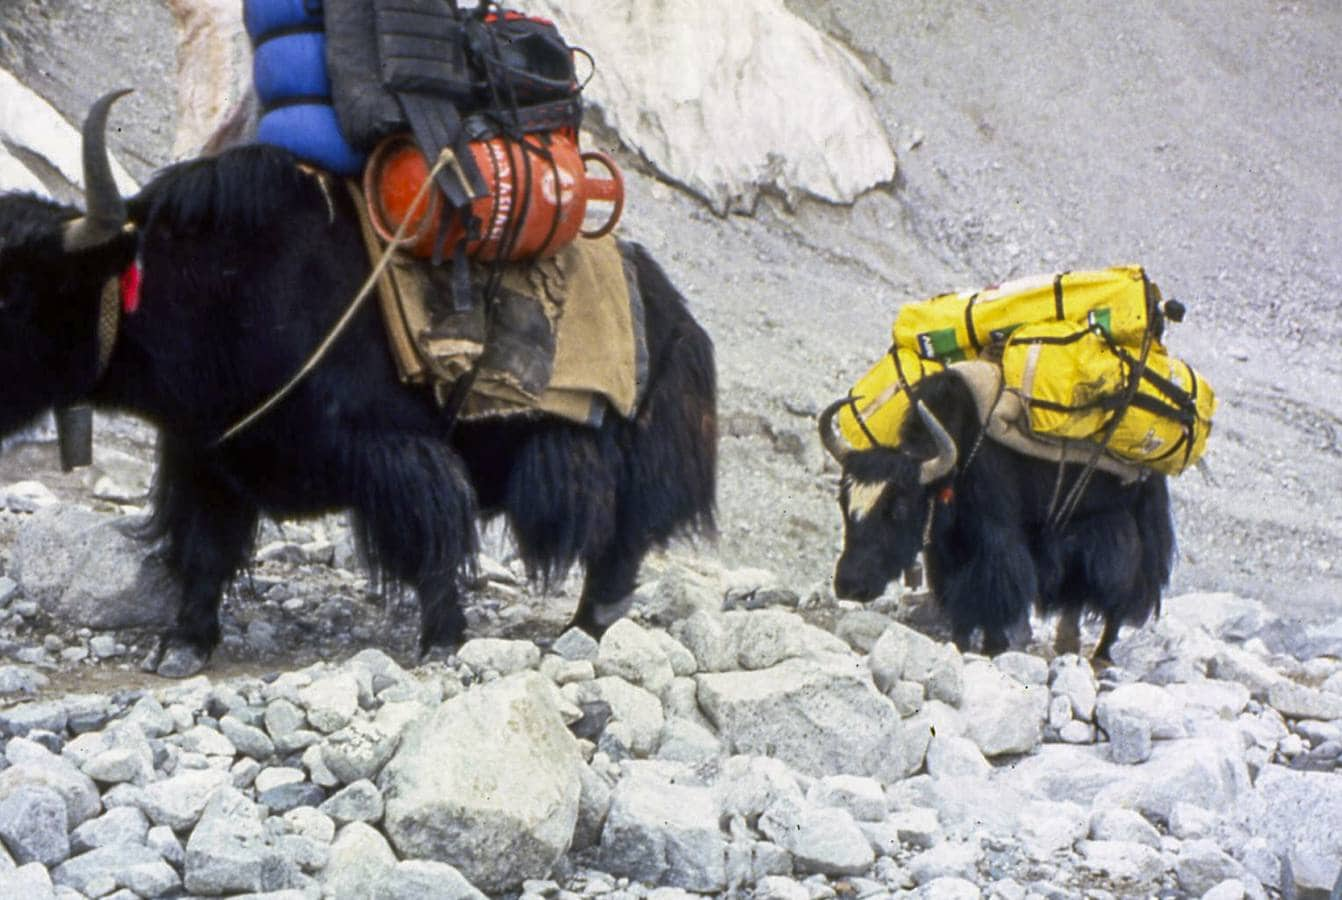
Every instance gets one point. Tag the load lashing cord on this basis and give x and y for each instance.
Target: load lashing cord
(1061, 514)
(512, 225)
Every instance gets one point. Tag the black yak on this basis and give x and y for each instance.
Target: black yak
(246, 264)
(982, 516)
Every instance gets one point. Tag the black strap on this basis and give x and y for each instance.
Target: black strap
(285, 32)
(969, 323)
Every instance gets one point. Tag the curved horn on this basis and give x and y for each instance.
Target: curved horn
(940, 465)
(105, 210)
(828, 438)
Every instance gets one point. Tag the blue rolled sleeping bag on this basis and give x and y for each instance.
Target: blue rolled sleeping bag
(289, 72)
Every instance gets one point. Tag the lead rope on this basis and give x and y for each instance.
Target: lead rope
(446, 158)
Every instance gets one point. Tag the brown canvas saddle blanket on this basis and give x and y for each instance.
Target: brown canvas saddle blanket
(1006, 420)
(563, 335)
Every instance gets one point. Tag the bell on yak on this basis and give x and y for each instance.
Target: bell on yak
(74, 435)
(538, 190)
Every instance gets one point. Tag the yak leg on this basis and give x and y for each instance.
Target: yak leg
(414, 511)
(991, 588)
(607, 590)
(1067, 637)
(210, 529)
(1103, 658)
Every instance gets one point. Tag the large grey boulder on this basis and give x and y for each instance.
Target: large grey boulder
(33, 825)
(423, 879)
(488, 783)
(1300, 815)
(1002, 715)
(32, 765)
(821, 839)
(229, 851)
(1205, 772)
(360, 861)
(819, 717)
(83, 568)
(179, 801)
(665, 833)
(729, 99)
(902, 654)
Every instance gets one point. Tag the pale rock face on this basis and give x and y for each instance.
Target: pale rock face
(693, 86)
(215, 103)
(29, 122)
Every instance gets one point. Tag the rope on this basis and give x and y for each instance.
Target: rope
(1059, 518)
(446, 158)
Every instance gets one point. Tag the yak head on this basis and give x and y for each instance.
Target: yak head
(55, 263)
(886, 494)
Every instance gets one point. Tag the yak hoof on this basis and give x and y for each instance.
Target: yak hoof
(597, 617)
(175, 658)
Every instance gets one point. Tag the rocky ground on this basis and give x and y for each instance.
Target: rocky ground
(744, 731)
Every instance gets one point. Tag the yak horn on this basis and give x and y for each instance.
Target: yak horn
(940, 465)
(105, 210)
(828, 437)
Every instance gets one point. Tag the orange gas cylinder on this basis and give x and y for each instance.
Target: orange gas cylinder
(537, 193)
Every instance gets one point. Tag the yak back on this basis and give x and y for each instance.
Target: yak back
(244, 188)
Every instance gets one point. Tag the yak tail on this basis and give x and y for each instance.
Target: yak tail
(673, 482)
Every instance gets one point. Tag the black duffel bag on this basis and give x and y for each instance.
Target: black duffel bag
(507, 71)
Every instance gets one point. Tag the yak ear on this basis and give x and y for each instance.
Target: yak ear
(105, 213)
(940, 465)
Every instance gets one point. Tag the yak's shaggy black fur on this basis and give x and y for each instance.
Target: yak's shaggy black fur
(991, 553)
(247, 263)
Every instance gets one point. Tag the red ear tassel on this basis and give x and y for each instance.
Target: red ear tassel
(946, 495)
(130, 288)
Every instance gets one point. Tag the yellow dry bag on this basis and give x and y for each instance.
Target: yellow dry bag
(1075, 382)
(879, 400)
(954, 327)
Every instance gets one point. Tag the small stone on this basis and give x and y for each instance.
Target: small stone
(178, 801)
(120, 825)
(276, 776)
(20, 680)
(133, 866)
(28, 496)
(205, 740)
(120, 764)
(105, 646)
(31, 882)
(1129, 738)
(285, 797)
(248, 740)
(413, 879)
(33, 825)
(358, 802)
(576, 644)
(310, 822)
(77, 654)
(331, 702)
(1075, 732)
(507, 657)
(863, 797)
(17, 721)
(162, 839)
(823, 840)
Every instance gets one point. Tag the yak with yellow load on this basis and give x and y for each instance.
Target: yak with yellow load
(1033, 475)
